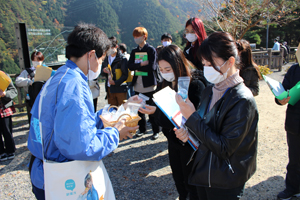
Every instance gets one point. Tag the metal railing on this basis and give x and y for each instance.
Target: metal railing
(21, 93)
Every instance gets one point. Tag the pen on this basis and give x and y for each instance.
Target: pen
(288, 91)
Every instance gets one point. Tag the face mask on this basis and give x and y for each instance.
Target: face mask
(111, 51)
(93, 75)
(166, 43)
(36, 63)
(168, 76)
(213, 75)
(139, 40)
(191, 37)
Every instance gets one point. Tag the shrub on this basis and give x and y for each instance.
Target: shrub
(264, 70)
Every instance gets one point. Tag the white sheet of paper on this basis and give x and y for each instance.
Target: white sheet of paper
(166, 99)
(275, 86)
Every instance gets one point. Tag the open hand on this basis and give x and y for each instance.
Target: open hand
(148, 110)
(133, 99)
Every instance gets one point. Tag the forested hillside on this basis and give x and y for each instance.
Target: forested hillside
(114, 17)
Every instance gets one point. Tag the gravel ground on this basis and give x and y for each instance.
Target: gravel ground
(139, 167)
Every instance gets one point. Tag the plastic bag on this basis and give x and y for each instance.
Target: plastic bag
(183, 86)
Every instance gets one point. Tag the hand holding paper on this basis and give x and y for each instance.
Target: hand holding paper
(182, 134)
(2, 93)
(186, 107)
(144, 63)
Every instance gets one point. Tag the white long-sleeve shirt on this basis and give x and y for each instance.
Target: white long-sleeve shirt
(23, 80)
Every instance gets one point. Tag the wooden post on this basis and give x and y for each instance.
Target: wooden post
(270, 58)
(281, 59)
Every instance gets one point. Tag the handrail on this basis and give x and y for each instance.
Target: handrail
(21, 96)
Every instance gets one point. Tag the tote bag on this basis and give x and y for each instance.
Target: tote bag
(75, 180)
(78, 180)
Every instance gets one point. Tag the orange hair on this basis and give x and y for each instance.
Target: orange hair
(140, 31)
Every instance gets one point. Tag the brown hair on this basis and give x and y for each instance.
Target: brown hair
(140, 31)
(246, 58)
(38, 55)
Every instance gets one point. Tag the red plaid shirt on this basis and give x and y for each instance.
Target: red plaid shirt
(6, 112)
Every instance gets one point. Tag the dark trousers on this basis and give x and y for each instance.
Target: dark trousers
(179, 156)
(142, 122)
(292, 179)
(206, 193)
(28, 108)
(39, 193)
(130, 91)
(8, 145)
(95, 101)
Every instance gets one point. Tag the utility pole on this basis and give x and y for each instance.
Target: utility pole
(267, 37)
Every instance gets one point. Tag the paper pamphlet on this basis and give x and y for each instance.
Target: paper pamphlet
(165, 100)
(42, 73)
(280, 93)
(140, 57)
(275, 86)
(4, 81)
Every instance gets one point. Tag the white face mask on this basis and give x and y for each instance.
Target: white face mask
(166, 43)
(91, 74)
(191, 37)
(139, 40)
(213, 75)
(168, 76)
(36, 63)
(111, 51)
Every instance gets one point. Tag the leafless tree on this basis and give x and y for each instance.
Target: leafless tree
(238, 16)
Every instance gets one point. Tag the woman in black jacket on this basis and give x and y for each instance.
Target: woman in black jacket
(173, 64)
(195, 34)
(225, 124)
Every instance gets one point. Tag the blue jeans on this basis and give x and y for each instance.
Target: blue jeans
(206, 193)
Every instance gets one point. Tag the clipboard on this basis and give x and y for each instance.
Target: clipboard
(165, 101)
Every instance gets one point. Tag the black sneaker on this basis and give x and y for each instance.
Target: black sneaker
(139, 134)
(287, 194)
(3, 157)
(154, 136)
